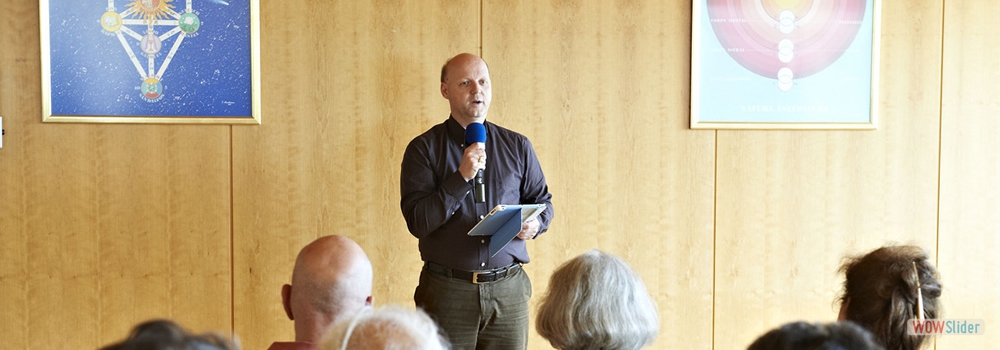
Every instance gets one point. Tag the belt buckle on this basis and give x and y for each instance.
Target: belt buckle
(475, 278)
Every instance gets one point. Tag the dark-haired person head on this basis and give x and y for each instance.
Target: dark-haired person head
(881, 294)
(595, 301)
(843, 335)
(167, 335)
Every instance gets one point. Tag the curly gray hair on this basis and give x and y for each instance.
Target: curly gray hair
(596, 301)
(388, 327)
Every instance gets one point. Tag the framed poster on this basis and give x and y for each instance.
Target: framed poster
(774, 64)
(151, 61)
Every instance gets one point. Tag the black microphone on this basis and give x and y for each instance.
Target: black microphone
(476, 132)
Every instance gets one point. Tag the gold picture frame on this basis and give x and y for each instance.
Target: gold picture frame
(151, 61)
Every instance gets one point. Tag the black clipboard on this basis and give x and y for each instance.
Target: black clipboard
(504, 222)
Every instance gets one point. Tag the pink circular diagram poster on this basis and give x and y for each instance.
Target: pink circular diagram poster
(783, 61)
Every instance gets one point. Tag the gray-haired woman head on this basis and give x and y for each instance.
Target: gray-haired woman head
(596, 301)
(387, 327)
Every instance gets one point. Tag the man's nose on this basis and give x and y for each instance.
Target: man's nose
(475, 88)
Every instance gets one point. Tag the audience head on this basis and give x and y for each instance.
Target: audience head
(596, 301)
(804, 336)
(332, 280)
(386, 328)
(880, 293)
(167, 335)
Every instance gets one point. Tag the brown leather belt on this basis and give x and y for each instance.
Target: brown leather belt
(476, 277)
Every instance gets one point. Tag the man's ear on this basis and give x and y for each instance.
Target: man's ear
(286, 300)
(444, 90)
(368, 301)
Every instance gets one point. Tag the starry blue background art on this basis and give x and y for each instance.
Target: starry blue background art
(208, 76)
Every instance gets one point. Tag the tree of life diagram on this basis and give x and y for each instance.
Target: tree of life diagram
(144, 26)
(786, 39)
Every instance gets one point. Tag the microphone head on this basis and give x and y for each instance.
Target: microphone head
(475, 132)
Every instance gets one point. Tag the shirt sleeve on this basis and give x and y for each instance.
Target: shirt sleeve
(534, 190)
(427, 204)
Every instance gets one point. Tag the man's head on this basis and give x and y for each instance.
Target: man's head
(465, 82)
(332, 280)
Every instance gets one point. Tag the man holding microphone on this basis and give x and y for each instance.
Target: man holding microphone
(481, 301)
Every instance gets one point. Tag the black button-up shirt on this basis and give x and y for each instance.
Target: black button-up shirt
(438, 203)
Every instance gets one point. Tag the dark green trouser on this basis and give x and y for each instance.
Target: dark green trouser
(489, 316)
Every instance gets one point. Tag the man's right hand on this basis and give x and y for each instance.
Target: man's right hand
(473, 160)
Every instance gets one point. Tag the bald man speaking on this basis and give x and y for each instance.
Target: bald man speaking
(332, 281)
(481, 301)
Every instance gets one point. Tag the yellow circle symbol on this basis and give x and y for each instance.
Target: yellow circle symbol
(111, 21)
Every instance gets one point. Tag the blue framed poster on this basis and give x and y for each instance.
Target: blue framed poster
(772, 64)
(151, 61)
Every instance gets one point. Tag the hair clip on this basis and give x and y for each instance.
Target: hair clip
(920, 295)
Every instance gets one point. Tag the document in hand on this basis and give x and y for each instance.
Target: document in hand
(504, 222)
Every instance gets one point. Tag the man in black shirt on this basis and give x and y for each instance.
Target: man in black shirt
(479, 300)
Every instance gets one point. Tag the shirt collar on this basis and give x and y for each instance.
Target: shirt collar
(456, 132)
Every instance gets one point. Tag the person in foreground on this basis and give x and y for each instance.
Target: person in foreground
(480, 299)
(386, 328)
(167, 335)
(888, 287)
(595, 301)
(843, 335)
(331, 281)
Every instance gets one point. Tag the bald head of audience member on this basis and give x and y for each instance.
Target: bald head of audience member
(332, 280)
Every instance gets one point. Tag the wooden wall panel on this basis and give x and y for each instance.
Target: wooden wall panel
(600, 87)
(164, 230)
(158, 198)
(970, 171)
(792, 204)
(126, 223)
(347, 85)
(18, 62)
(103, 226)
(63, 265)
(129, 223)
